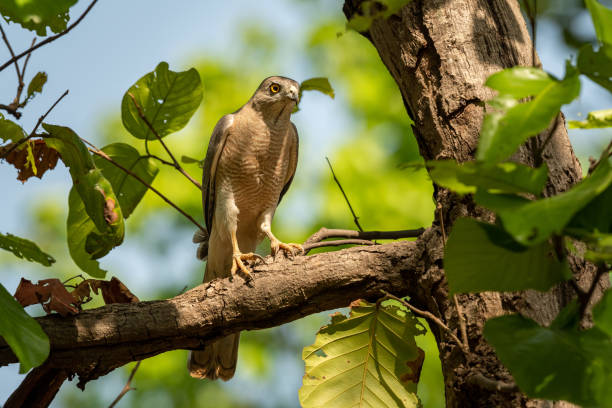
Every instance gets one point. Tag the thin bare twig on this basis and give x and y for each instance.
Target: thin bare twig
(127, 388)
(355, 217)
(432, 317)
(339, 242)
(538, 157)
(8, 45)
(586, 300)
(176, 164)
(25, 64)
(33, 132)
(462, 324)
(606, 153)
(100, 153)
(12, 107)
(49, 39)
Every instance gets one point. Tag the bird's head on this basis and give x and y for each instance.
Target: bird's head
(276, 94)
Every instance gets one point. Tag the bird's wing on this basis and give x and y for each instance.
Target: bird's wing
(293, 159)
(215, 147)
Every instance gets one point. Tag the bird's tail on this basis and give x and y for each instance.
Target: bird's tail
(217, 360)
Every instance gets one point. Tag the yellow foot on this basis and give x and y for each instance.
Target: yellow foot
(239, 267)
(289, 249)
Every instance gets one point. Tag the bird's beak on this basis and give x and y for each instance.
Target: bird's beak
(293, 94)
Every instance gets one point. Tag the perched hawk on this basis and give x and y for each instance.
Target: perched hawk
(249, 165)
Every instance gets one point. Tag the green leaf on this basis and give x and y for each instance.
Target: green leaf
(503, 132)
(168, 100)
(128, 190)
(597, 65)
(602, 313)
(22, 333)
(369, 359)
(520, 82)
(596, 216)
(594, 120)
(482, 257)
(371, 10)
(602, 20)
(191, 160)
(532, 222)
(465, 178)
(95, 191)
(10, 131)
(317, 84)
(82, 231)
(25, 249)
(36, 85)
(554, 364)
(38, 15)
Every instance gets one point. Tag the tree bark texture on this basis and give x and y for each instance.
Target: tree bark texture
(440, 53)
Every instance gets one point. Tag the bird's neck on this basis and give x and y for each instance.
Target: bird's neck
(276, 115)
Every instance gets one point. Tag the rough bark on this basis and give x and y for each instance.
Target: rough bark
(96, 341)
(440, 53)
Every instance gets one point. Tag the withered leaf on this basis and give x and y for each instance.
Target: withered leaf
(45, 158)
(51, 293)
(113, 291)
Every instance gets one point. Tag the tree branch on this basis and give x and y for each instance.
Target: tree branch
(49, 39)
(96, 341)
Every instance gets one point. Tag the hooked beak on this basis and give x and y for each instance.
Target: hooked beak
(293, 94)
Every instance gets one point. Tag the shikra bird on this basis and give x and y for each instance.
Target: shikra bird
(251, 159)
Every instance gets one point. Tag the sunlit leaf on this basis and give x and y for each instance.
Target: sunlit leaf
(597, 65)
(503, 132)
(22, 333)
(552, 363)
(466, 178)
(36, 85)
(129, 191)
(595, 119)
(520, 82)
(191, 160)
(602, 20)
(317, 84)
(532, 222)
(482, 257)
(38, 15)
(369, 359)
(10, 131)
(168, 100)
(25, 249)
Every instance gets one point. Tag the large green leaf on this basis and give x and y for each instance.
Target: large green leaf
(602, 20)
(10, 131)
(597, 65)
(129, 191)
(36, 84)
(465, 178)
(482, 257)
(22, 333)
(38, 15)
(596, 216)
(503, 132)
(317, 84)
(602, 313)
(554, 363)
(532, 222)
(594, 120)
(96, 192)
(520, 82)
(168, 100)
(24, 248)
(369, 359)
(85, 242)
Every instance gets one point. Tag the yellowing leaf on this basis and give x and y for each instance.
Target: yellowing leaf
(369, 359)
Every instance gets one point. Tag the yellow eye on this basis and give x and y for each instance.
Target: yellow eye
(274, 88)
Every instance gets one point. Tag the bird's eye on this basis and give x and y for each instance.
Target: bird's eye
(274, 88)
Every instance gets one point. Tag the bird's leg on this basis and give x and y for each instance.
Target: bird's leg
(276, 245)
(238, 257)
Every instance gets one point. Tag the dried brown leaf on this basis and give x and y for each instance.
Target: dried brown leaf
(113, 291)
(45, 158)
(51, 293)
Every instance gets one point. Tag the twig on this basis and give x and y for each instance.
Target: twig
(586, 300)
(8, 45)
(176, 164)
(25, 64)
(606, 153)
(100, 153)
(127, 388)
(462, 324)
(431, 317)
(50, 39)
(33, 132)
(355, 217)
(313, 245)
(12, 108)
(325, 233)
(538, 157)
(492, 385)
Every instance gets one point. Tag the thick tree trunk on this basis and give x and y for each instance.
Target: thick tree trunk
(440, 53)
